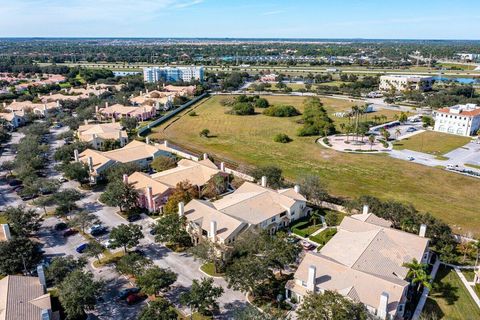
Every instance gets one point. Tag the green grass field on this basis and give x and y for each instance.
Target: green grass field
(432, 142)
(449, 299)
(249, 140)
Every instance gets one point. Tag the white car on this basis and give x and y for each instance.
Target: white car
(108, 243)
(411, 158)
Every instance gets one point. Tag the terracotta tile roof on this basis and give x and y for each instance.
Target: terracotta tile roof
(141, 181)
(102, 130)
(196, 172)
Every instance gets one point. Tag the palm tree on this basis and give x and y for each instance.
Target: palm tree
(398, 132)
(417, 272)
(314, 217)
(342, 127)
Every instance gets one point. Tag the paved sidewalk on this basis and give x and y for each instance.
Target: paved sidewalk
(467, 285)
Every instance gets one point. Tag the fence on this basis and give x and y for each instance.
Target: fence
(170, 115)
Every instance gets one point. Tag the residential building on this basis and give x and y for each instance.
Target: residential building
(181, 90)
(173, 74)
(136, 152)
(461, 119)
(15, 119)
(5, 234)
(468, 57)
(25, 298)
(152, 194)
(406, 82)
(40, 109)
(155, 189)
(118, 111)
(206, 222)
(250, 206)
(198, 173)
(364, 261)
(96, 133)
(153, 98)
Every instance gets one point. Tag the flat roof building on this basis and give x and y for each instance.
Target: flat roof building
(400, 83)
(173, 74)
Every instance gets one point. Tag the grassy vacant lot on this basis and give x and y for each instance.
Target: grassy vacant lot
(449, 299)
(249, 140)
(432, 142)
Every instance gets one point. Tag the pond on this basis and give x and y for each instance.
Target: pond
(459, 80)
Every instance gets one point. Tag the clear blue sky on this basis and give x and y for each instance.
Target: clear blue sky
(439, 19)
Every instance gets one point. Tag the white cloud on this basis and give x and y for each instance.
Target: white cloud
(273, 12)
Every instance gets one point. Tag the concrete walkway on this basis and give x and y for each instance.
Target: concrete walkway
(467, 285)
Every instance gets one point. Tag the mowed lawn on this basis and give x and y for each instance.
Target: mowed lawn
(249, 140)
(450, 299)
(432, 142)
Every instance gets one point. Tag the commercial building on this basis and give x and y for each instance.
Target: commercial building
(173, 74)
(364, 261)
(96, 133)
(406, 82)
(462, 119)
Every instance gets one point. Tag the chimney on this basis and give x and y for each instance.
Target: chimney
(146, 91)
(41, 276)
(222, 166)
(213, 230)
(264, 181)
(75, 155)
(423, 230)
(165, 143)
(150, 198)
(365, 209)
(58, 104)
(4, 104)
(6, 231)
(296, 188)
(382, 307)
(181, 209)
(96, 109)
(113, 120)
(90, 163)
(147, 140)
(85, 121)
(106, 104)
(205, 156)
(125, 178)
(312, 275)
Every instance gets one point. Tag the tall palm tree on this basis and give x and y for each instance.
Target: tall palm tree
(398, 132)
(417, 272)
(371, 139)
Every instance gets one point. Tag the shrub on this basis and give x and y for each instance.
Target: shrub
(331, 218)
(192, 114)
(205, 133)
(262, 103)
(323, 237)
(242, 109)
(281, 111)
(282, 138)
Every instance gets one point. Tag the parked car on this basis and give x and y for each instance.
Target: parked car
(81, 248)
(70, 232)
(128, 291)
(108, 243)
(307, 245)
(60, 226)
(153, 231)
(99, 231)
(133, 217)
(411, 129)
(26, 197)
(62, 180)
(410, 158)
(134, 298)
(139, 252)
(18, 188)
(452, 166)
(95, 227)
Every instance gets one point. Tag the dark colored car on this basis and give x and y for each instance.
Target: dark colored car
(126, 292)
(60, 226)
(99, 231)
(26, 197)
(81, 248)
(18, 188)
(134, 298)
(70, 232)
(14, 182)
(153, 231)
(133, 217)
(139, 252)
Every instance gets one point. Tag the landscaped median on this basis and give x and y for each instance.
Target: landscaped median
(209, 269)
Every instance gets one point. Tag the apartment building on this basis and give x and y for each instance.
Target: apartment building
(173, 74)
(364, 261)
(406, 82)
(96, 133)
(118, 111)
(461, 119)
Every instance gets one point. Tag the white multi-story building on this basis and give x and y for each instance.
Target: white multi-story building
(173, 74)
(406, 82)
(462, 119)
(469, 57)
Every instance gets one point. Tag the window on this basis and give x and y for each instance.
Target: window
(274, 218)
(283, 214)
